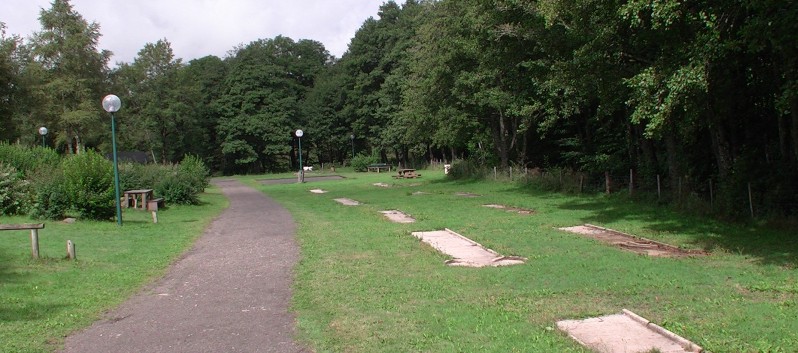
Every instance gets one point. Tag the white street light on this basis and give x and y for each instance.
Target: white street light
(111, 104)
(299, 134)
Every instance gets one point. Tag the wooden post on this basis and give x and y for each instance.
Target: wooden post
(511, 173)
(607, 182)
(581, 182)
(750, 200)
(680, 188)
(495, 174)
(711, 195)
(154, 216)
(34, 243)
(659, 188)
(631, 181)
(71, 250)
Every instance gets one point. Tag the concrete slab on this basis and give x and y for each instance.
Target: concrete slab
(632, 243)
(626, 332)
(398, 216)
(467, 194)
(465, 252)
(382, 185)
(318, 191)
(347, 202)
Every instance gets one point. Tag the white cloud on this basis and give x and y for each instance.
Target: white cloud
(197, 28)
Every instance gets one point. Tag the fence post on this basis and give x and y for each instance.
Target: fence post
(581, 182)
(631, 181)
(711, 196)
(607, 182)
(750, 200)
(71, 250)
(495, 174)
(659, 188)
(511, 173)
(34, 243)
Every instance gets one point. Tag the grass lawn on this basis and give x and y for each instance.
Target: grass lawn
(43, 300)
(366, 285)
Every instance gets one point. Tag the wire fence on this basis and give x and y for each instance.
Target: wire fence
(750, 199)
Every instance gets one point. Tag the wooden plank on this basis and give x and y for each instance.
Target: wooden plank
(24, 226)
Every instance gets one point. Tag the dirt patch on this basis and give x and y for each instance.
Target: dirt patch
(308, 179)
(632, 243)
(398, 216)
(518, 210)
(625, 332)
(347, 202)
(467, 194)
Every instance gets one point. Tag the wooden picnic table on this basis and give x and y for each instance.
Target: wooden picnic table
(407, 173)
(141, 194)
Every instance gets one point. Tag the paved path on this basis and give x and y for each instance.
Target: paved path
(230, 293)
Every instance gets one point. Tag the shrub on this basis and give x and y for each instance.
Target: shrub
(89, 186)
(182, 184)
(25, 159)
(14, 191)
(361, 162)
(50, 200)
(193, 171)
(141, 176)
(467, 169)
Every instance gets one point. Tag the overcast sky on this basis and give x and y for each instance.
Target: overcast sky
(197, 28)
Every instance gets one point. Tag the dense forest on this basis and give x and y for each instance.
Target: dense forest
(690, 90)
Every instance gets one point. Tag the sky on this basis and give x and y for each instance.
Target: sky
(197, 28)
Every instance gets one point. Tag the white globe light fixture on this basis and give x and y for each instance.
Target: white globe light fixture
(112, 104)
(43, 132)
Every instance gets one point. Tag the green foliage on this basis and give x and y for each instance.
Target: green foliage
(89, 185)
(182, 184)
(468, 169)
(14, 191)
(141, 176)
(50, 198)
(26, 159)
(361, 161)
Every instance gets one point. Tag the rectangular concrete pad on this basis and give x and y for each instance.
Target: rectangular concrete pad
(465, 252)
(625, 332)
(347, 202)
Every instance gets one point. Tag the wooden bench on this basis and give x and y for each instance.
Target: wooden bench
(154, 204)
(34, 234)
(379, 167)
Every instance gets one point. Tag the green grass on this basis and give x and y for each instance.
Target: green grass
(43, 300)
(365, 285)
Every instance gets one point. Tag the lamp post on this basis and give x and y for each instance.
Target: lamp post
(43, 132)
(352, 138)
(299, 134)
(111, 104)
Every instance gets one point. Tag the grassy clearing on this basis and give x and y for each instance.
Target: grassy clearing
(43, 300)
(365, 285)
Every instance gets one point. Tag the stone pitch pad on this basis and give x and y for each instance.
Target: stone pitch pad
(464, 251)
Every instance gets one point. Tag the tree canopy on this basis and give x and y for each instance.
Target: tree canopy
(703, 90)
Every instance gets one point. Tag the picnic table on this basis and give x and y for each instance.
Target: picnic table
(406, 173)
(139, 197)
(378, 167)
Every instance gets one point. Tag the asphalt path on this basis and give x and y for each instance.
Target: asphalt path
(229, 293)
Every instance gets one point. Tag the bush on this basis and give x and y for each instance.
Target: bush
(50, 200)
(89, 185)
(25, 159)
(141, 176)
(14, 191)
(182, 184)
(194, 172)
(361, 162)
(467, 169)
